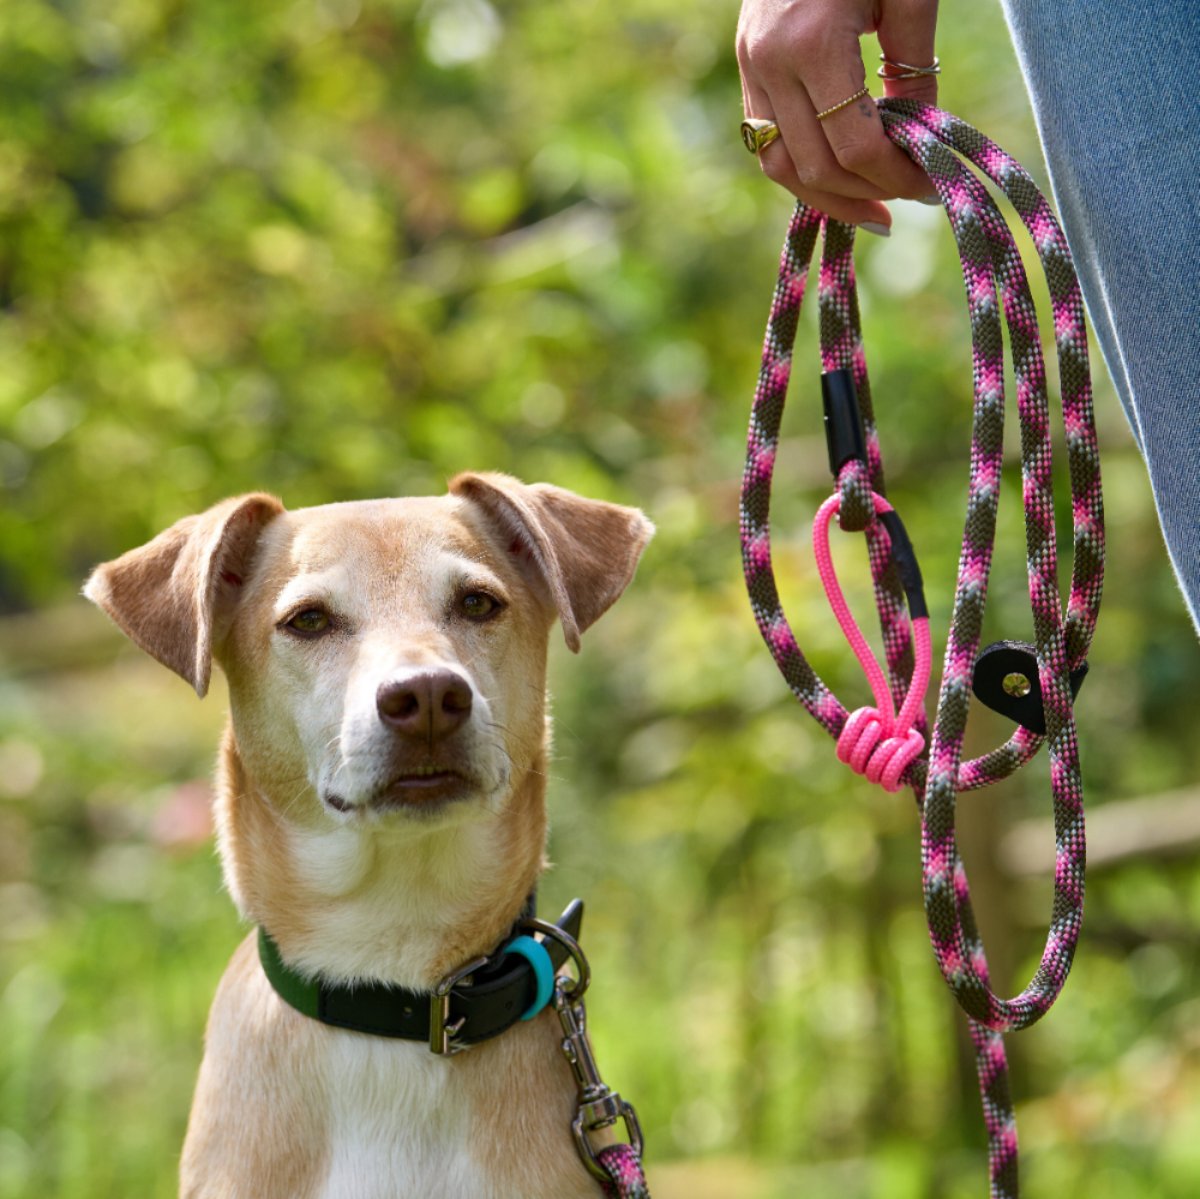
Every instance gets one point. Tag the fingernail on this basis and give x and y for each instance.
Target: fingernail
(932, 199)
(875, 227)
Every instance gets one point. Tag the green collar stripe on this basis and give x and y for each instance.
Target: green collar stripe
(301, 994)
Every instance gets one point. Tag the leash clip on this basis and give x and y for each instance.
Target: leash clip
(600, 1107)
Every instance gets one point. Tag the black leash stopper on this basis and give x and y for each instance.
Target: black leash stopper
(1006, 680)
(846, 442)
(905, 558)
(843, 421)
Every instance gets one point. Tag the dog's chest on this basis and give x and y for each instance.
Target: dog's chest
(397, 1124)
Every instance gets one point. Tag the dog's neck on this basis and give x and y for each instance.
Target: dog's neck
(399, 904)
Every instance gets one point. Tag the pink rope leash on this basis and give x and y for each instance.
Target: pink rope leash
(886, 742)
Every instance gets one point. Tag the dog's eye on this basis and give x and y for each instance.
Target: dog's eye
(478, 605)
(309, 623)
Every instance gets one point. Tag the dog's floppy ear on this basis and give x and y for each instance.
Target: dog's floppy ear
(170, 594)
(584, 550)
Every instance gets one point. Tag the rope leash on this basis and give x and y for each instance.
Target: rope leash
(882, 741)
(624, 1169)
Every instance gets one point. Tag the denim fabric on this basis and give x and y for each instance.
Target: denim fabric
(1113, 86)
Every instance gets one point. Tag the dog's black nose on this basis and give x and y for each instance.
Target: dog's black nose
(425, 706)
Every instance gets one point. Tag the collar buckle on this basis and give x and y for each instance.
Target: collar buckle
(441, 1030)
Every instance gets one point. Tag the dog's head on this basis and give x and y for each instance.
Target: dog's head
(385, 659)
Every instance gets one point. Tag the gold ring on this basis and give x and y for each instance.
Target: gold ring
(758, 134)
(905, 70)
(858, 95)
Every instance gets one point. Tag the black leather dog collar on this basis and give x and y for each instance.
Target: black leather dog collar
(488, 1001)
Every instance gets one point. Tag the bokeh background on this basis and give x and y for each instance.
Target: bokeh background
(338, 249)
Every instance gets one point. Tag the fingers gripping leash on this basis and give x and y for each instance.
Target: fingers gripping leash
(887, 742)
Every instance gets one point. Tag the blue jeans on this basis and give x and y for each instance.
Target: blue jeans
(1113, 86)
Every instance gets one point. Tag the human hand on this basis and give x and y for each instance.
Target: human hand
(800, 57)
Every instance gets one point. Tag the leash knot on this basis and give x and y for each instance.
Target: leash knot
(871, 745)
(878, 742)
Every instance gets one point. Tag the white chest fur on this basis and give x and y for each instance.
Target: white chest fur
(404, 1124)
(397, 1124)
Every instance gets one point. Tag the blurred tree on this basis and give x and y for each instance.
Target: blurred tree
(340, 249)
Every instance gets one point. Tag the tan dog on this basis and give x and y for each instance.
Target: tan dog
(380, 811)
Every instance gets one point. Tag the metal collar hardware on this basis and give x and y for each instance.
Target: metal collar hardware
(600, 1107)
(441, 1031)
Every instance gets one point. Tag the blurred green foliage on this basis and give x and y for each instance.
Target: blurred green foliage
(339, 249)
